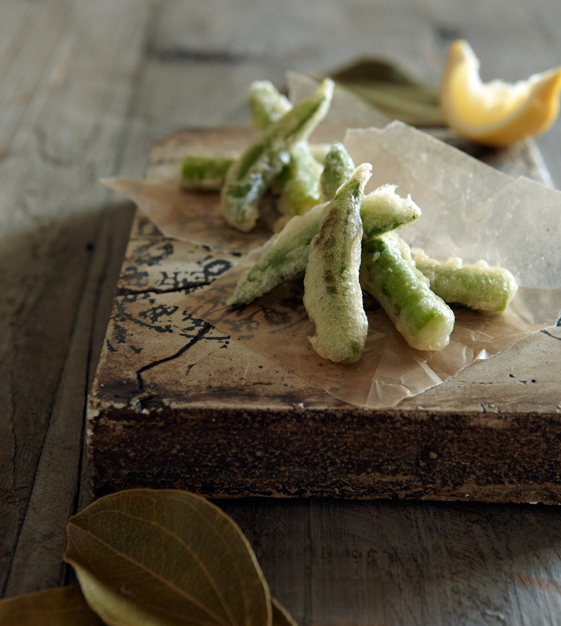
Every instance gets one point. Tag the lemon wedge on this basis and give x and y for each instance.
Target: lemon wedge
(495, 113)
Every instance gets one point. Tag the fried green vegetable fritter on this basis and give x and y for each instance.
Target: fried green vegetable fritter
(332, 291)
(337, 168)
(388, 273)
(249, 177)
(477, 286)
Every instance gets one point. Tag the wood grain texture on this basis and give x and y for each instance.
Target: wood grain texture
(93, 85)
(63, 119)
(333, 562)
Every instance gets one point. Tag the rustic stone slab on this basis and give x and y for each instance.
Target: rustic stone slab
(175, 403)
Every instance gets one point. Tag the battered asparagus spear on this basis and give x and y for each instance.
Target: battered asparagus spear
(332, 292)
(477, 286)
(388, 273)
(248, 177)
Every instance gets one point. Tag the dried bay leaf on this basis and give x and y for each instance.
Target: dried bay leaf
(390, 90)
(63, 606)
(166, 557)
(281, 617)
(115, 608)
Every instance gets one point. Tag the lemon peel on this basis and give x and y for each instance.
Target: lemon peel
(496, 113)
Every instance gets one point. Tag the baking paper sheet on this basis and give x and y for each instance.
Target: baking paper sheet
(469, 210)
(389, 370)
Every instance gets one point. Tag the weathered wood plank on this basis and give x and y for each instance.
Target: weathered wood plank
(67, 94)
(332, 562)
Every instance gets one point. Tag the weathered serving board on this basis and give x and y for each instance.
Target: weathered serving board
(176, 404)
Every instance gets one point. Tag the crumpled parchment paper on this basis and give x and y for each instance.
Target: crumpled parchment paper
(469, 210)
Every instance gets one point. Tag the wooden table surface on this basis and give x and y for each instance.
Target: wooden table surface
(86, 89)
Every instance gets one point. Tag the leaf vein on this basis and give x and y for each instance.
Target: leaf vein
(162, 579)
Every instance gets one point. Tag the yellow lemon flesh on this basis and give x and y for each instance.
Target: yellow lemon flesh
(495, 113)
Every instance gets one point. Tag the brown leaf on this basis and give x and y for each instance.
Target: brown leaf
(63, 606)
(391, 91)
(164, 557)
(281, 617)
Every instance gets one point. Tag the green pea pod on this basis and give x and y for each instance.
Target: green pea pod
(199, 172)
(337, 168)
(332, 292)
(249, 177)
(266, 104)
(383, 211)
(387, 272)
(477, 286)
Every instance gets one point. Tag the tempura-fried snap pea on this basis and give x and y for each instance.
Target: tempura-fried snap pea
(383, 210)
(388, 273)
(249, 176)
(301, 187)
(299, 180)
(332, 292)
(477, 286)
(285, 256)
(199, 172)
(209, 172)
(337, 168)
(266, 104)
